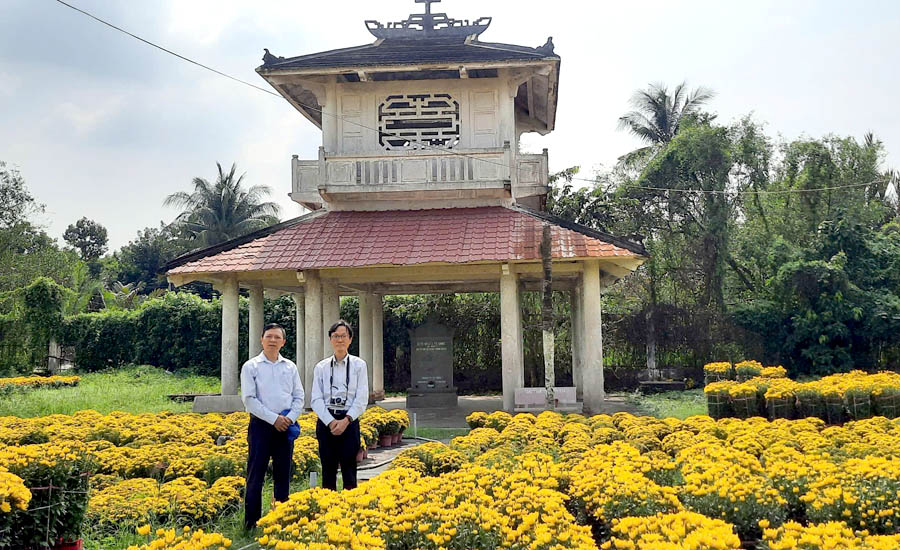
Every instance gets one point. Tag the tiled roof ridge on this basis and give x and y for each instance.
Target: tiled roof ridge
(621, 242)
(511, 48)
(403, 237)
(201, 253)
(316, 55)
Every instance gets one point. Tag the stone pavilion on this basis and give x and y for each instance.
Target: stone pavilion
(419, 186)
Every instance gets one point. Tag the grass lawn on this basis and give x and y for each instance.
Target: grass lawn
(134, 389)
(679, 404)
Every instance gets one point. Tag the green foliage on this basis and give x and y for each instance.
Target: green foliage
(42, 315)
(57, 509)
(16, 202)
(27, 252)
(788, 253)
(216, 212)
(141, 261)
(176, 331)
(89, 237)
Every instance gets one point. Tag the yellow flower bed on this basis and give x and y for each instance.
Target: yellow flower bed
(524, 482)
(747, 369)
(722, 367)
(837, 398)
(681, 531)
(774, 372)
(155, 466)
(825, 536)
(183, 539)
(13, 493)
(137, 500)
(34, 382)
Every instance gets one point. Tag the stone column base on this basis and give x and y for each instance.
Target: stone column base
(218, 404)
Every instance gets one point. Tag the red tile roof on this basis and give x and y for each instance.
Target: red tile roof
(406, 237)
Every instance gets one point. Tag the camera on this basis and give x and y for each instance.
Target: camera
(337, 401)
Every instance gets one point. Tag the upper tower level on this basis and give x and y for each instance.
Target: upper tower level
(427, 116)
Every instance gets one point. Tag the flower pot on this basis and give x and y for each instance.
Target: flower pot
(372, 444)
(397, 438)
(74, 545)
(386, 440)
(360, 455)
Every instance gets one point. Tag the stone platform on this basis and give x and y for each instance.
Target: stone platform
(218, 404)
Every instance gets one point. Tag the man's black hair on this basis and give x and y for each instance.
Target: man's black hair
(274, 325)
(340, 323)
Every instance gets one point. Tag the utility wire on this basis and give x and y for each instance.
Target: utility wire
(451, 151)
(157, 46)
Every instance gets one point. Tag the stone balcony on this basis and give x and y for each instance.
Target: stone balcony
(461, 174)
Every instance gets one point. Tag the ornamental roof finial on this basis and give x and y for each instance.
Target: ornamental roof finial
(428, 25)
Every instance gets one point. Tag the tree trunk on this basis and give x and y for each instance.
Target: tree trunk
(547, 317)
(651, 324)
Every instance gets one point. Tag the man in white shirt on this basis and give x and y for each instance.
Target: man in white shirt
(273, 395)
(340, 394)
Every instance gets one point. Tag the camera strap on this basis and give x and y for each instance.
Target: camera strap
(346, 380)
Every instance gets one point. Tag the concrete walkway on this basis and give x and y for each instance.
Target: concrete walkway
(378, 457)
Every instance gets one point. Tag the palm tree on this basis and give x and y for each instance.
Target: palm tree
(215, 213)
(657, 116)
(656, 119)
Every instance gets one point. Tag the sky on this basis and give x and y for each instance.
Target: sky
(103, 126)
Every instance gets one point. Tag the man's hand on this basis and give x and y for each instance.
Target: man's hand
(338, 426)
(282, 423)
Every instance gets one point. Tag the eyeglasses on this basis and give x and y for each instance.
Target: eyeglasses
(336, 336)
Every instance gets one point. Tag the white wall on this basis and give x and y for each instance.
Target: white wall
(485, 112)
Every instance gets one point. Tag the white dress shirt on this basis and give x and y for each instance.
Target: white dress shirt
(330, 380)
(267, 388)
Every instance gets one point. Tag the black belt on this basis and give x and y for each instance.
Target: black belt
(338, 415)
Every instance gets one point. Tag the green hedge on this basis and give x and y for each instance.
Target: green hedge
(175, 331)
(182, 331)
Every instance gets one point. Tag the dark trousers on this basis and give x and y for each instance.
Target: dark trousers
(265, 442)
(334, 450)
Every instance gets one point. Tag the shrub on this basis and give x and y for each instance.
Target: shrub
(56, 475)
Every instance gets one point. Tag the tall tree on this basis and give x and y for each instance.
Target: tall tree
(89, 237)
(142, 259)
(16, 202)
(26, 251)
(217, 212)
(657, 118)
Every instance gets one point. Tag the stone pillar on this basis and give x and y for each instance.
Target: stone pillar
(365, 332)
(510, 336)
(228, 401)
(577, 329)
(331, 313)
(304, 369)
(592, 368)
(257, 322)
(230, 359)
(313, 325)
(378, 346)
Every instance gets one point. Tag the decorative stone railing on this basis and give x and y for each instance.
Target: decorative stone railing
(487, 172)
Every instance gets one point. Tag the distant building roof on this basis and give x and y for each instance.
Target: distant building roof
(403, 237)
